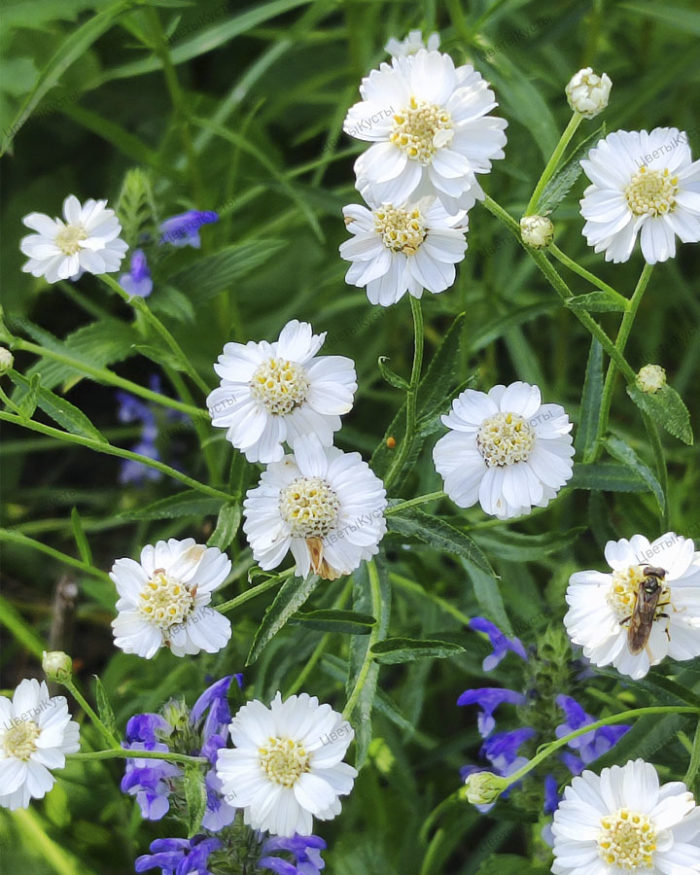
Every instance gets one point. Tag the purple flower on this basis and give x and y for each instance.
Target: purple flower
(501, 748)
(183, 229)
(219, 813)
(131, 409)
(179, 856)
(306, 851)
(143, 728)
(138, 281)
(488, 699)
(149, 780)
(592, 744)
(551, 794)
(500, 643)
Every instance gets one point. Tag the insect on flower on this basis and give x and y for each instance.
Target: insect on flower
(646, 608)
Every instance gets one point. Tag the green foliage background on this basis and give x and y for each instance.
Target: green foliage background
(252, 129)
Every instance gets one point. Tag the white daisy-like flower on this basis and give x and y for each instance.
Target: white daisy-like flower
(623, 821)
(411, 44)
(86, 239)
(324, 505)
(36, 733)
(164, 599)
(402, 249)
(286, 767)
(642, 183)
(276, 392)
(657, 583)
(428, 123)
(506, 450)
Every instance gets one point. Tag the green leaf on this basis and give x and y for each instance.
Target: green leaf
(509, 864)
(597, 302)
(104, 707)
(172, 302)
(519, 547)
(59, 409)
(195, 797)
(438, 534)
(291, 596)
(345, 622)
(488, 595)
(677, 17)
(28, 400)
(79, 535)
(396, 650)
(226, 526)
(392, 378)
(190, 503)
(606, 477)
(561, 183)
(624, 453)
(666, 407)
(590, 401)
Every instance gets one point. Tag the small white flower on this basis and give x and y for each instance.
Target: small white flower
(622, 821)
(642, 183)
(588, 93)
(411, 44)
(601, 605)
(402, 249)
(164, 599)
(536, 231)
(286, 767)
(431, 134)
(651, 378)
(276, 392)
(86, 239)
(506, 450)
(324, 505)
(36, 733)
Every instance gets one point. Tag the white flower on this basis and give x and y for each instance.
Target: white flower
(430, 131)
(87, 239)
(402, 249)
(287, 766)
(536, 231)
(622, 821)
(36, 733)
(276, 392)
(164, 599)
(324, 505)
(411, 44)
(651, 378)
(507, 450)
(642, 183)
(601, 605)
(588, 93)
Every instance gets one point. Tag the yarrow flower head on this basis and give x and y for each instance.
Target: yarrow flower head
(324, 505)
(164, 599)
(624, 821)
(411, 44)
(588, 93)
(86, 239)
(641, 183)
(183, 229)
(306, 851)
(501, 644)
(138, 281)
(602, 606)
(651, 378)
(286, 767)
(276, 392)
(430, 129)
(506, 450)
(405, 248)
(36, 733)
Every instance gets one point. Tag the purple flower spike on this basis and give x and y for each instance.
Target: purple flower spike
(179, 856)
(592, 744)
(551, 794)
(500, 643)
(138, 281)
(183, 229)
(501, 749)
(306, 850)
(488, 699)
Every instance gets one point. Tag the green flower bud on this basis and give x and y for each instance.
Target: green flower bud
(483, 788)
(57, 665)
(651, 378)
(537, 232)
(7, 360)
(588, 93)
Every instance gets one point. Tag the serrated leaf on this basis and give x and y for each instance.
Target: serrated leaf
(104, 706)
(291, 596)
(597, 302)
(59, 409)
(438, 534)
(79, 535)
(191, 502)
(519, 547)
(561, 183)
(27, 401)
(391, 377)
(666, 407)
(606, 477)
(590, 401)
(624, 453)
(173, 302)
(226, 526)
(396, 650)
(195, 797)
(344, 622)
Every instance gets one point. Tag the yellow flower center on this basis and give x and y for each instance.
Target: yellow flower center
(19, 740)
(284, 760)
(505, 439)
(401, 230)
(310, 507)
(627, 840)
(623, 591)
(69, 238)
(652, 192)
(280, 385)
(165, 602)
(421, 129)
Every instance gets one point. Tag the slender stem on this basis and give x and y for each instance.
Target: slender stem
(586, 274)
(202, 428)
(414, 502)
(22, 540)
(234, 604)
(660, 460)
(106, 733)
(694, 764)
(10, 403)
(411, 394)
(373, 638)
(110, 450)
(126, 754)
(443, 604)
(553, 162)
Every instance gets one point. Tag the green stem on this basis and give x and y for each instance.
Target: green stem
(23, 541)
(414, 502)
(694, 764)
(234, 604)
(126, 754)
(586, 274)
(553, 162)
(108, 736)
(660, 461)
(9, 402)
(373, 638)
(110, 450)
(411, 394)
(411, 586)
(202, 428)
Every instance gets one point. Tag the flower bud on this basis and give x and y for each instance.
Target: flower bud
(7, 360)
(483, 788)
(536, 231)
(588, 93)
(57, 665)
(651, 378)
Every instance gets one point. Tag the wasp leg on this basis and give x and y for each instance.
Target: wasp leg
(626, 620)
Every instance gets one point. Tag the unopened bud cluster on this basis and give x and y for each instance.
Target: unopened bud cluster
(588, 93)
(537, 232)
(57, 665)
(651, 378)
(7, 360)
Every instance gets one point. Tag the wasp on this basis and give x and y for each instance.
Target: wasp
(646, 608)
